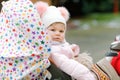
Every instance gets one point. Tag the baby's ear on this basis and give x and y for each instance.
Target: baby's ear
(41, 7)
(64, 13)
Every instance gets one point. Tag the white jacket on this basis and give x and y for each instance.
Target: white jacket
(72, 67)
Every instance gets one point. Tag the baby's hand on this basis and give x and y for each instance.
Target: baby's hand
(76, 49)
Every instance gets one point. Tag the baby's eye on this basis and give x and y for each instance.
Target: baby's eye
(61, 31)
(52, 29)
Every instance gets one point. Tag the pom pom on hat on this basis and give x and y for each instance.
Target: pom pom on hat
(52, 14)
(64, 13)
(41, 7)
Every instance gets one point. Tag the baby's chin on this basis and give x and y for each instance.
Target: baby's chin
(56, 42)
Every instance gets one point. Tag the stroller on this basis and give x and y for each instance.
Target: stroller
(104, 68)
(115, 46)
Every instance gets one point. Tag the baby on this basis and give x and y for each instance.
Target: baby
(63, 54)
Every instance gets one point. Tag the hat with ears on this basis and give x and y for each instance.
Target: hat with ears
(52, 14)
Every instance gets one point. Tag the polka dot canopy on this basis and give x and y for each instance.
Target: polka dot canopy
(24, 45)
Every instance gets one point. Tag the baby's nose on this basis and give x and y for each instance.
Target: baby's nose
(57, 32)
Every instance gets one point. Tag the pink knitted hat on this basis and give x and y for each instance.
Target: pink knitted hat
(52, 14)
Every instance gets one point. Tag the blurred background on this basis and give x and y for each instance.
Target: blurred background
(93, 24)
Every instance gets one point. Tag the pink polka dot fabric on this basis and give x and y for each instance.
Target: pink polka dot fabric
(24, 45)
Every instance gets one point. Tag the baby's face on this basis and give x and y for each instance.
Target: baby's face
(57, 32)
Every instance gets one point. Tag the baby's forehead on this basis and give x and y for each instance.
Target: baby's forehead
(57, 25)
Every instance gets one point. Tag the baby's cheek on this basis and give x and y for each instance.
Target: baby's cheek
(62, 38)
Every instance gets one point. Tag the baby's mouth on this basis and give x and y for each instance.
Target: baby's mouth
(56, 39)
